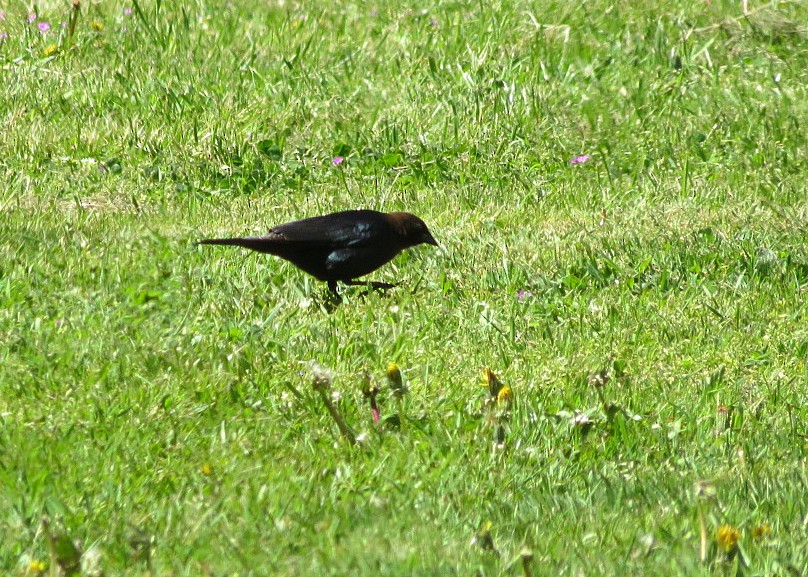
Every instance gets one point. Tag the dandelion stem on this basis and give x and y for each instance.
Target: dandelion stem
(703, 535)
(321, 385)
(74, 18)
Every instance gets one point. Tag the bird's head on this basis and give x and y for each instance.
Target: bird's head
(412, 229)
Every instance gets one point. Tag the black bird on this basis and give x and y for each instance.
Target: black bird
(341, 246)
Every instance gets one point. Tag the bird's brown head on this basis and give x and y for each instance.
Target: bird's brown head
(411, 229)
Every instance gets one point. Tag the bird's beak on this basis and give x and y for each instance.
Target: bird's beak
(429, 239)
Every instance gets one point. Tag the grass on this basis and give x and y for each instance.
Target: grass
(156, 396)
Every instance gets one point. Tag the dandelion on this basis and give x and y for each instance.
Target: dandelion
(704, 491)
(526, 555)
(484, 539)
(396, 382)
(370, 391)
(337, 160)
(579, 159)
(761, 531)
(727, 537)
(492, 382)
(599, 379)
(321, 377)
(43, 26)
(580, 419)
(97, 26)
(36, 567)
(321, 383)
(51, 50)
(206, 469)
(498, 404)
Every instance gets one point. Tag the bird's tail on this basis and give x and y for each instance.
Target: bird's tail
(258, 243)
(225, 241)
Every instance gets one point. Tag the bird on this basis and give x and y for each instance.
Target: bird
(339, 247)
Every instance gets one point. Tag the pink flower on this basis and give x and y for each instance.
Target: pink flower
(31, 17)
(523, 294)
(2, 15)
(337, 160)
(579, 159)
(43, 27)
(3, 35)
(127, 11)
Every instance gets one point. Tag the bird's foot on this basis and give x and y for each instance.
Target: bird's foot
(335, 299)
(374, 285)
(382, 285)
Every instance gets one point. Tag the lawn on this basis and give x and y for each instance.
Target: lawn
(620, 195)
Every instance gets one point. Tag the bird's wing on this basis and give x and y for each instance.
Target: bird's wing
(354, 228)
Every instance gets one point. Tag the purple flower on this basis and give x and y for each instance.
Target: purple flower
(31, 17)
(3, 35)
(43, 27)
(127, 11)
(523, 294)
(579, 159)
(433, 23)
(337, 160)
(2, 15)
(64, 24)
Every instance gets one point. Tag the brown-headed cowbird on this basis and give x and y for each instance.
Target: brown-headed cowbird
(340, 246)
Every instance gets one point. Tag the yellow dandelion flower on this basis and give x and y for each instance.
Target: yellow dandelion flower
(483, 537)
(492, 382)
(396, 382)
(51, 50)
(394, 373)
(97, 26)
(206, 469)
(761, 531)
(36, 566)
(727, 537)
(505, 395)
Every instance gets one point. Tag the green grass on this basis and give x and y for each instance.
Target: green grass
(153, 391)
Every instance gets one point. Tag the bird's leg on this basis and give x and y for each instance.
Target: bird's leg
(333, 298)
